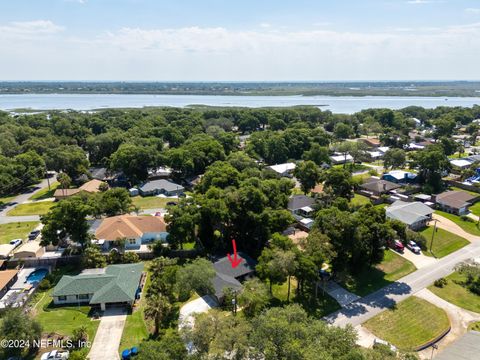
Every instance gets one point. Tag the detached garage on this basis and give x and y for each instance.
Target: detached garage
(31, 249)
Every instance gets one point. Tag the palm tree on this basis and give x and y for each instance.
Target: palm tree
(158, 308)
(64, 181)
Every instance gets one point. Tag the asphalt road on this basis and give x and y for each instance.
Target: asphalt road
(367, 307)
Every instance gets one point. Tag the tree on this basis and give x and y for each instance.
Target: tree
(67, 219)
(181, 221)
(93, 258)
(158, 308)
(339, 181)
(65, 181)
(17, 325)
(342, 131)
(169, 347)
(116, 201)
(254, 297)
(70, 159)
(432, 163)
(133, 160)
(394, 158)
(318, 154)
(80, 337)
(308, 174)
(195, 276)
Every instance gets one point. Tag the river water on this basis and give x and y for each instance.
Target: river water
(336, 104)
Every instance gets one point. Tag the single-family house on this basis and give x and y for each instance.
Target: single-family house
(31, 249)
(7, 279)
(137, 230)
(400, 177)
(341, 159)
(91, 186)
(415, 215)
(106, 175)
(160, 172)
(455, 202)
(301, 205)
(284, 169)
(371, 142)
(232, 277)
(375, 186)
(461, 164)
(111, 286)
(161, 187)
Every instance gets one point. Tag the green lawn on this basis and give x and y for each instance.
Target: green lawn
(475, 208)
(411, 323)
(457, 294)
(444, 242)
(392, 268)
(474, 326)
(320, 306)
(63, 320)
(16, 230)
(45, 193)
(454, 188)
(359, 200)
(7, 199)
(151, 202)
(36, 208)
(135, 330)
(189, 246)
(469, 226)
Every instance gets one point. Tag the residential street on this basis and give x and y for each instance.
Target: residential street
(360, 311)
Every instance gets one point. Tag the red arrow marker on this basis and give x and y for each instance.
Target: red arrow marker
(235, 261)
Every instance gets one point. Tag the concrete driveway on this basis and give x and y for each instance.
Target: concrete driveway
(107, 340)
(449, 225)
(419, 260)
(197, 306)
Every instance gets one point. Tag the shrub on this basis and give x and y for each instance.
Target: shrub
(45, 284)
(475, 286)
(419, 239)
(440, 283)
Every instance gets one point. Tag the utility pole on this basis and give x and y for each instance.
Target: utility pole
(433, 235)
(48, 179)
(234, 303)
(434, 347)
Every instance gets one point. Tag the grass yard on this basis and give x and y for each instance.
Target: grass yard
(469, 226)
(392, 268)
(15, 230)
(475, 326)
(135, 330)
(457, 294)
(475, 208)
(411, 323)
(45, 193)
(359, 200)
(36, 208)
(63, 320)
(444, 242)
(7, 199)
(151, 202)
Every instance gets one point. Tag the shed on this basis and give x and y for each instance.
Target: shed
(6, 250)
(31, 249)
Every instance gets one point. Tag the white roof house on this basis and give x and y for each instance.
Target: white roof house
(413, 214)
(383, 149)
(413, 146)
(401, 175)
(376, 154)
(461, 163)
(283, 169)
(341, 159)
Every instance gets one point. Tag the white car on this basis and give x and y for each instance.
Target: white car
(56, 355)
(16, 242)
(377, 342)
(412, 245)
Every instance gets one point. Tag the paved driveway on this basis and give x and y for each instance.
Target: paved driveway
(419, 260)
(197, 306)
(109, 333)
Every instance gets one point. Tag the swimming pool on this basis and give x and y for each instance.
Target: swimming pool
(37, 276)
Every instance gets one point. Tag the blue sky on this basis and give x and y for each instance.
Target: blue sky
(239, 40)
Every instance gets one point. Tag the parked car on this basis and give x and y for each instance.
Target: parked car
(16, 242)
(397, 246)
(56, 355)
(413, 247)
(378, 342)
(171, 203)
(33, 234)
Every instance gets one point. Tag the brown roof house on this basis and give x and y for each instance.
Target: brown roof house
(7, 279)
(376, 187)
(137, 230)
(455, 202)
(91, 186)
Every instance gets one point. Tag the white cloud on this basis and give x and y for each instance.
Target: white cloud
(77, 1)
(28, 28)
(419, 2)
(265, 25)
(217, 53)
(473, 10)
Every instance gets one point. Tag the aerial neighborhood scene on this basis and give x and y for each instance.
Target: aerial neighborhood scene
(250, 180)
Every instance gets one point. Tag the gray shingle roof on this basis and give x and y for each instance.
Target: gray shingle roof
(408, 213)
(159, 185)
(299, 201)
(119, 283)
(224, 266)
(379, 185)
(455, 199)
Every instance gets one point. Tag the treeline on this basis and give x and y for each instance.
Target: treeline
(189, 140)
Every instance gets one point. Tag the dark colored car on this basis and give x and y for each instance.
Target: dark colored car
(33, 235)
(171, 203)
(397, 246)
